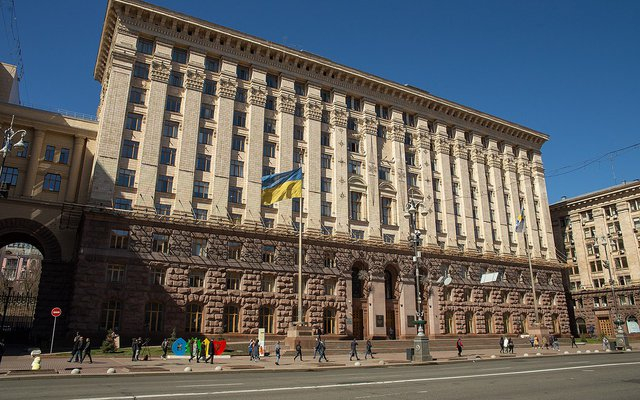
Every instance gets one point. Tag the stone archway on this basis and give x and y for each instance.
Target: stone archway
(56, 280)
(359, 304)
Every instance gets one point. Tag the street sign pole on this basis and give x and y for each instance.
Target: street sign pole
(55, 313)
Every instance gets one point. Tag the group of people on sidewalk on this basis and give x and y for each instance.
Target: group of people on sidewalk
(81, 349)
(506, 345)
(198, 350)
(319, 350)
(555, 344)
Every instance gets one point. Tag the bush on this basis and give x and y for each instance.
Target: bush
(109, 343)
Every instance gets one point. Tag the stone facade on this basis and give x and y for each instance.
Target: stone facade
(594, 231)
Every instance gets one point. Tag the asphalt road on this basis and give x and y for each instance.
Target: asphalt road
(589, 376)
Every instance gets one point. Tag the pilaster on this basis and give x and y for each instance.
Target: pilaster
(502, 225)
(442, 148)
(425, 181)
(545, 215)
(478, 156)
(34, 162)
(367, 131)
(524, 170)
(462, 165)
(284, 130)
(255, 145)
(76, 167)
(313, 127)
(511, 181)
(400, 177)
(339, 143)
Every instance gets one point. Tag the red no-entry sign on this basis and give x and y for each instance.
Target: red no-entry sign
(56, 312)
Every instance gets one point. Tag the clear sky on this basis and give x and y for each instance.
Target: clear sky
(570, 69)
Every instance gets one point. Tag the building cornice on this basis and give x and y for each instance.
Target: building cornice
(200, 33)
(601, 196)
(46, 120)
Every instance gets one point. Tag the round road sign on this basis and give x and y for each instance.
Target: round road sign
(56, 312)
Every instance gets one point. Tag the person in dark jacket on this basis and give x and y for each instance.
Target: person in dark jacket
(354, 350)
(369, 352)
(298, 351)
(277, 348)
(76, 349)
(256, 351)
(165, 348)
(459, 347)
(322, 348)
(191, 346)
(86, 351)
(211, 352)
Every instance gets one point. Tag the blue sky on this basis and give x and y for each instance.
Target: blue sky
(570, 69)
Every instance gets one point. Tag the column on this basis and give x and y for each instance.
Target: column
(511, 182)
(222, 144)
(627, 226)
(543, 202)
(189, 136)
(313, 128)
(400, 177)
(424, 157)
(531, 225)
(377, 307)
(407, 304)
(34, 162)
(466, 212)
(150, 146)
(501, 223)
(75, 168)
(482, 199)
(447, 201)
(254, 146)
(369, 127)
(339, 142)
(284, 130)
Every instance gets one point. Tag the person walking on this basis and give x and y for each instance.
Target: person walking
(86, 351)
(605, 343)
(545, 343)
(256, 351)
(211, 348)
(200, 351)
(316, 347)
(76, 349)
(573, 342)
(505, 344)
(298, 351)
(322, 348)
(510, 346)
(191, 348)
(501, 344)
(354, 350)
(277, 350)
(536, 342)
(368, 351)
(459, 347)
(251, 344)
(165, 348)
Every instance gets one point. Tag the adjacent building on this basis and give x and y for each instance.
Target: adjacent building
(598, 235)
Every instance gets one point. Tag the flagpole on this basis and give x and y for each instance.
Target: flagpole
(300, 264)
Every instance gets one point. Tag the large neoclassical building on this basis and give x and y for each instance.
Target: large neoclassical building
(173, 234)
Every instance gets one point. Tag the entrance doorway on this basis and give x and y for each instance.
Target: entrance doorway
(605, 325)
(358, 322)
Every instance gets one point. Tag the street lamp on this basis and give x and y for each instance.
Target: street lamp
(622, 341)
(9, 133)
(421, 342)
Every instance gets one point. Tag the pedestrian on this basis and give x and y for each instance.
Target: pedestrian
(555, 344)
(165, 348)
(316, 347)
(2, 348)
(86, 351)
(200, 351)
(545, 343)
(505, 344)
(277, 349)
(510, 345)
(251, 344)
(536, 342)
(501, 344)
(531, 341)
(76, 349)
(354, 350)
(459, 347)
(212, 350)
(573, 342)
(298, 351)
(191, 349)
(322, 348)
(605, 343)
(368, 349)
(256, 351)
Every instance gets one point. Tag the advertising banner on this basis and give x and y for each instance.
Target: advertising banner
(261, 341)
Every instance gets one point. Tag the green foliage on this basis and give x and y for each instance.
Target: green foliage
(109, 343)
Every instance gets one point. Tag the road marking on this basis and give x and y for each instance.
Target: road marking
(587, 370)
(343, 385)
(496, 369)
(213, 384)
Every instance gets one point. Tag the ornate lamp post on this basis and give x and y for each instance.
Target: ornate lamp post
(421, 342)
(622, 341)
(9, 133)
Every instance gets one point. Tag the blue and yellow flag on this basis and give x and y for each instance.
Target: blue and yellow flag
(520, 221)
(285, 185)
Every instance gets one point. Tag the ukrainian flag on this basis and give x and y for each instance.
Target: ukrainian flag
(285, 185)
(520, 221)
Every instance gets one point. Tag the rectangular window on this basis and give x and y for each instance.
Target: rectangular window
(634, 205)
(52, 182)
(63, 158)
(353, 146)
(199, 214)
(269, 149)
(408, 119)
(209, 87)
(119, 239)
(385, 205)
(126, 177)
(381, 132)
(356, 206)
(164, 184)
(49, 153)
(168, 156)
(237, 168)
(329, 286)
(268, 170)
(133, 122)
(299, 110)
(355, 167)
(325, 185)
(268, 253)
(206, 111)
(325, 117)
(352, 103)
(170, 129)
(352, 124)
(295, 205)
(201, 189)
(199, 247)
(270, 104)
(297, 156)
(412, 179)
(458, 229)
(160, 243)
(410, 159)
(179, 55)
(176, 79)
(205, 136)
(203, 162)
(241, 95)
(235, 195)
(299, 88)
(382, 111)
(233, 279)
(242, 72)
(211, 64)
(268, 283)
(9, 176)
(325, 161)
(439, 226)
(115, 273)
(173, 104)
(137, 95)
(269, 125)
(122, 204)
(196, 279)
(237, 143)
(437, 205)
(141, 70)
(234, 250)
(298, 132)
(325, 209)
(384, 173)
(23, 152)
(436, 185)
(272, 81)
(325, 139)
(239, 118)
(357, 234)
(157, 276)
(325, 95)
(327, 230)
(389, 238)
(144, 46)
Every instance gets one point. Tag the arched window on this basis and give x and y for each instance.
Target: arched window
(193, 318)
(329, 321)
(448, 323)
(230, 319)
(632, 324)
(265, 319)
(506, 321)
(581, 326)
(488, 322)
(389, 285)
(470, 322)
(356, 284)
(110, 317)
(153, 317)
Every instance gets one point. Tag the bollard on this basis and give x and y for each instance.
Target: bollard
(75, 371)
(111, 371)
(187, 369)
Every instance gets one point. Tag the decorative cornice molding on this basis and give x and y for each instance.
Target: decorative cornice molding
(228, 88)
(195, 79)
(339, 117)
(313, 110)
(369, 125)
(287, 103)
(460, 151)
(478, 155)
(397, 133)
(258, 95)
(160, 70)
(442, 145)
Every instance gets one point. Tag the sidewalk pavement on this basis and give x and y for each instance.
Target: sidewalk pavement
(13, 366)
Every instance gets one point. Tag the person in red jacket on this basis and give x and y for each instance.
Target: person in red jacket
(459, 346)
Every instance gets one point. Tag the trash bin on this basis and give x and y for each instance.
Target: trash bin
(612, 345)
(410, 353)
